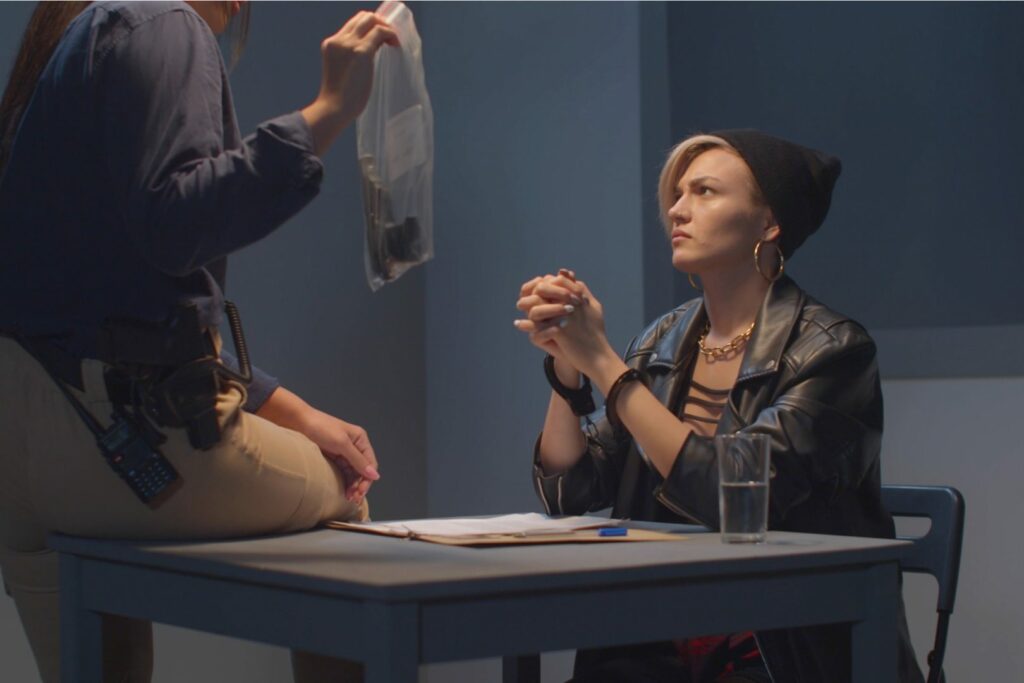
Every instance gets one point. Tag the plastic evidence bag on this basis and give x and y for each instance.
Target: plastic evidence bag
(395, 146)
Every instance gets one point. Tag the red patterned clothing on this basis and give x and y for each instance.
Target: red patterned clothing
(711, 658)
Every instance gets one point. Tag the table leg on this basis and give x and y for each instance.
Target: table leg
(393, 654)
(520, 669)
(874, 638)
(81, 629)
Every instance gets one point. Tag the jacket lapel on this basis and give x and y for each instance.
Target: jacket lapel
(676, 345)
(776, 319)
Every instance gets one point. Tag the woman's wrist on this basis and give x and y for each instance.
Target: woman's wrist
(606, 368)
(622, 384)
(567, 374)
(286, 409)
(325, 121)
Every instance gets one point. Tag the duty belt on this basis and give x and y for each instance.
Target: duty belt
(169, 372)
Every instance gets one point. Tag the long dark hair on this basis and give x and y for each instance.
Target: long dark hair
(237, 33)
(45, 27)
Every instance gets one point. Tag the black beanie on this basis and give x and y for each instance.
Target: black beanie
(795, 181)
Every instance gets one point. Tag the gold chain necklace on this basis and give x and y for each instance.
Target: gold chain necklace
(718, 352)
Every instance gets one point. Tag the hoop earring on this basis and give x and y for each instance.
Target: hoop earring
(689, 276)
(757, 261)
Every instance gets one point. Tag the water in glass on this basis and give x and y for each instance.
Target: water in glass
(744, 511)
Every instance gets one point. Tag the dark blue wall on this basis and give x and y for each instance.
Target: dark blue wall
(537, 167)
(922, 102)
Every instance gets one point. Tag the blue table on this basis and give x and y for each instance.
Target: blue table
(396, 604)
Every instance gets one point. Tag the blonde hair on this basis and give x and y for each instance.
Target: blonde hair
(679, 159)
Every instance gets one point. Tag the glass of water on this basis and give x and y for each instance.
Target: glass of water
(744, 461)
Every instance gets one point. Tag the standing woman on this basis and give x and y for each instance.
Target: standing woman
(124, 185)
(754, 354)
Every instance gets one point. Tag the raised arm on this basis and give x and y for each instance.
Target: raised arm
(582, 343)
(575, 469)
(347, 76)
(188, 193)
(545, 301)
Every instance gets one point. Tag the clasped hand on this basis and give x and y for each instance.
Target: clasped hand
(345, 445)
(564, 319)
(348, 448)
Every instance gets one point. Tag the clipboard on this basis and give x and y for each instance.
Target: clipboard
(591, 535)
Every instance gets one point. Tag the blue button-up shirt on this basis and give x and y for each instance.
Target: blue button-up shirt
(129, 183)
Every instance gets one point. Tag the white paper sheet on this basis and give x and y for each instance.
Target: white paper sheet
(524, 524)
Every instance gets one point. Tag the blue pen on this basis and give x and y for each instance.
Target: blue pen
(613, 531)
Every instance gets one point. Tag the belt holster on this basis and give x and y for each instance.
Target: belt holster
(175, 376)
(188, 398)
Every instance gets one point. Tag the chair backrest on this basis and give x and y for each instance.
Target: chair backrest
(936, 553)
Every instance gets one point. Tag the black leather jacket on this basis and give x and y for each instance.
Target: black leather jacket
(810, 381)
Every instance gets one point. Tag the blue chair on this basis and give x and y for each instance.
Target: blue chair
(936, 553)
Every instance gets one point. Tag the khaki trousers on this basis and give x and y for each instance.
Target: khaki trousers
(260, 478)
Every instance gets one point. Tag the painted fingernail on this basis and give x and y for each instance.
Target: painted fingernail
(563, 322)
(569, 308)
(517, 323)
(371, 472)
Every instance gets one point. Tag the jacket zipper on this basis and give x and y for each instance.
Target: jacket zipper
(543, 496)
(663, 499)
(764, 660)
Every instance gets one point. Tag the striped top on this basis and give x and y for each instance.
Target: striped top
(703, 408)
(711, 658)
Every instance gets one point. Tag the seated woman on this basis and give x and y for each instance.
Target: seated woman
(753, 354)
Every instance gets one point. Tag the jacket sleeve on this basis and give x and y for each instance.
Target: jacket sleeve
(261, 387)
(592, 483)
(166, 118)
(825, 428)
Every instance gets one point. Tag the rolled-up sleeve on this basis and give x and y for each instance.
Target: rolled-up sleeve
(164, 109)
(593, 481)
(825, 429)
(261, 387)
